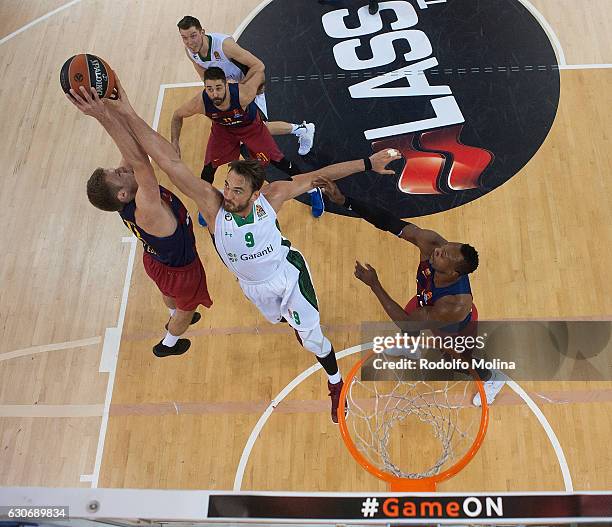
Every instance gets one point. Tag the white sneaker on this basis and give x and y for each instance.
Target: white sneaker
(305, 137)
(491, 387)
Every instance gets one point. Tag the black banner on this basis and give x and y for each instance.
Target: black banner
(494, 507)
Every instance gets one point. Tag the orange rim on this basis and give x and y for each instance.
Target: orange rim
(406, 484)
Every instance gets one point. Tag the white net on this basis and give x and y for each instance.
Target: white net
(411, 429)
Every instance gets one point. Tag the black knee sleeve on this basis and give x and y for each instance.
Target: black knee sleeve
(381, 219)
(329, 363)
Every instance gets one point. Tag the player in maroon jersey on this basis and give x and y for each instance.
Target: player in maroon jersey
(157, 218)
(235, 120)
(443, 286)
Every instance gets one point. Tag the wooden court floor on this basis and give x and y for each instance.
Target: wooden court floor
(544, 239)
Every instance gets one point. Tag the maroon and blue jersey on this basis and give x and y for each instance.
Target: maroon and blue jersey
(428, 293)
(176, 250)
(235, 115)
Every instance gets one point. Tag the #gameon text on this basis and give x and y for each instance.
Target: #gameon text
(410, 343)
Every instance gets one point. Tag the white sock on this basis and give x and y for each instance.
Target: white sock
(336, 378)
(169, 340)
(172, 311)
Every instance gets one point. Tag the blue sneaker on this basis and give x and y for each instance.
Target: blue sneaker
(317, 203)
(201, 220)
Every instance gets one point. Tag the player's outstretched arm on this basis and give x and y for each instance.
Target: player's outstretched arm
(207, 198)
(369, 277)
(382, 219)
(280, 191)
(192, 107)
(425, 239)
(148, 200)
(451, 308)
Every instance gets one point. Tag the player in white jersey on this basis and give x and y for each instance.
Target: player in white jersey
(216, 49)
(242, 220)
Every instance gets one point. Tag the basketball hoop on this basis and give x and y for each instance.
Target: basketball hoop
(379, 409)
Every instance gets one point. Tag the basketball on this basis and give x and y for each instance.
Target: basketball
(88, 71)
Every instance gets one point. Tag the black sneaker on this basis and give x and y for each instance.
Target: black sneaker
(196, 316)
(181, 346)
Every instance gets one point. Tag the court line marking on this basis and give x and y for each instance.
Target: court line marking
(158, 105)
(108, 361)
(37, 20)
(585, 66)
(50, 347)
(244, 458)
(236, 34)
(552, 36)
(181, 85)
(552, 437)
(278, 329)
(316, 406)
(51, 410)
(593, 66)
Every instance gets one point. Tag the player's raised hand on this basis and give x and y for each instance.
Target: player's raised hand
(366, 274)
(330, 189)
(88, 102)
(121, 104)
(381, 159)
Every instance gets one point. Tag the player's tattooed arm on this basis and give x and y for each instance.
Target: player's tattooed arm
(280, 191)
(192, 107)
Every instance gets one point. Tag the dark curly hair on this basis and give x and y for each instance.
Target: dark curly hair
(470, 260)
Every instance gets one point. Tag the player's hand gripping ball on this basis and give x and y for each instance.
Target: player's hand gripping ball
(88, 71)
